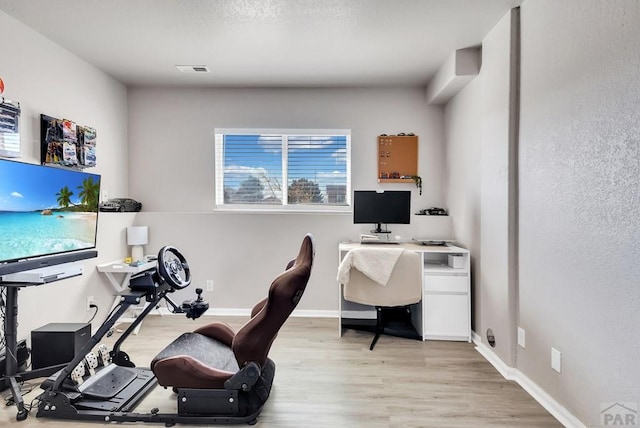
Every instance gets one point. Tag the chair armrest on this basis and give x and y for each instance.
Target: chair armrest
(217, 330)
(245, 378)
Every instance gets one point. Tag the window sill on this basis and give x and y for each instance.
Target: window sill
(284, 210)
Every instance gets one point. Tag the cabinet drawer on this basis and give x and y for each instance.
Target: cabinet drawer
(446, 283)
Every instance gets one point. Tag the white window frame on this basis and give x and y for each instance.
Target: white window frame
(285, 207)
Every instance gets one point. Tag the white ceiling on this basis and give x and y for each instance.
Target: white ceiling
(279, 43)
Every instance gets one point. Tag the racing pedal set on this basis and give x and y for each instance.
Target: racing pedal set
(87, 367)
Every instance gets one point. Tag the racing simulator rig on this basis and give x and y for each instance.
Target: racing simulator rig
(219, 376)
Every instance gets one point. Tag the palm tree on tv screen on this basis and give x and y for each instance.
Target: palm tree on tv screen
(64, 197)
(89, 193)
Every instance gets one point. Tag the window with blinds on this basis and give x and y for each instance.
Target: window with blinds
(299, 169)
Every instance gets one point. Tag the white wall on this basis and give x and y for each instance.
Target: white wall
(477, 185)
(47, 79)
(171, 171)
(497, 288)
(463, 124)
(580, 200)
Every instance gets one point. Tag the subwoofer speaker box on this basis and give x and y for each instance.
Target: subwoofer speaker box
(57, 343)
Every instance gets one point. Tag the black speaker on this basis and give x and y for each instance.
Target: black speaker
(57, 343)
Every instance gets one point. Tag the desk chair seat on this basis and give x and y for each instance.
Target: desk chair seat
(214, 366)
(403, 288)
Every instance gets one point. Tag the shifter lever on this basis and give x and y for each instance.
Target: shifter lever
(195, 308)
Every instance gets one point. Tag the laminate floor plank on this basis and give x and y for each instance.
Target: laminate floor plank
(323, 380)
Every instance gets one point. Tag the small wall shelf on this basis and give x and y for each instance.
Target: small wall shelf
(395, 180)
(397, 158)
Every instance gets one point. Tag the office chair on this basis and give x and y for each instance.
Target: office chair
(403, 289)
(217, 371)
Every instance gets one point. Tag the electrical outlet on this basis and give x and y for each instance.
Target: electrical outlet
(521, 337)
(90, 301)
(556, 360)
(209, 284)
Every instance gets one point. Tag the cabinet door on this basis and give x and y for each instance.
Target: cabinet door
(446, 316)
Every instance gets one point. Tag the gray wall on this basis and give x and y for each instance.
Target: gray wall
(47, 79)
(579, 199)
(171, 169)
(477, 183)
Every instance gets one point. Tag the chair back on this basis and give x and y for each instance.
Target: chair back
(403, 288)
(253, 341)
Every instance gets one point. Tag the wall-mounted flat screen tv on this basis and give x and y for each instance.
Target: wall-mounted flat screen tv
(46, 211)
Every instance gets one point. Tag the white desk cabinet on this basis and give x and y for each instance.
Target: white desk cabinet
(445, 302)
(445, 310)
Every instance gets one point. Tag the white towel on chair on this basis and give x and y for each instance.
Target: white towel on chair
(376, 263)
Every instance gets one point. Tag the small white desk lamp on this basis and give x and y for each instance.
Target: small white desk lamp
(137, 236)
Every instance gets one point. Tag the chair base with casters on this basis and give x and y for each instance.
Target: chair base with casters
(390, 321)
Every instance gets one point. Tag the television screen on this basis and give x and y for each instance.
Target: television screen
(389, 207)
(46, 210)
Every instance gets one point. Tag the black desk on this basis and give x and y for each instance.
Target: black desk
(12, 377)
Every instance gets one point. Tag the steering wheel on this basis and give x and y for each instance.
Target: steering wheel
(173, 267)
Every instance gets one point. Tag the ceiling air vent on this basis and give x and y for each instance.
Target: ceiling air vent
(193, 68)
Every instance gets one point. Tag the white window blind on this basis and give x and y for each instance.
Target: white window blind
(307, 169)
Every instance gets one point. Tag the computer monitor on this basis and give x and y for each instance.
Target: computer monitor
(388, 207)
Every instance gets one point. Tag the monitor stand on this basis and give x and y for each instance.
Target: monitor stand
(379, 229)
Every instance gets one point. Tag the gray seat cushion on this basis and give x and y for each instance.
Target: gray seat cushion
(208, 351)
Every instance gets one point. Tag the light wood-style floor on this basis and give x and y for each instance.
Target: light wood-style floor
(326, 381)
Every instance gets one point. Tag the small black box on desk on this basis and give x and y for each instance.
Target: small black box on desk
(57, 343)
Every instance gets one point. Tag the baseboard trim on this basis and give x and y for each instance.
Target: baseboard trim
(558, 411)
(236, 312)
(488, 354)
(312, 313)
(359, 315)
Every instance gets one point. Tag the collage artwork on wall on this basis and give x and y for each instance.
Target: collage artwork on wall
(66, 143)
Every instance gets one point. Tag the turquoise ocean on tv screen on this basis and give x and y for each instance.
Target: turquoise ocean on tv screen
(27, 234)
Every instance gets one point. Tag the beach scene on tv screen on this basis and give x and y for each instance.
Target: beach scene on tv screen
(45, 210)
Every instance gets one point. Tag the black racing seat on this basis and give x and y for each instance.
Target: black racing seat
(215, 370)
